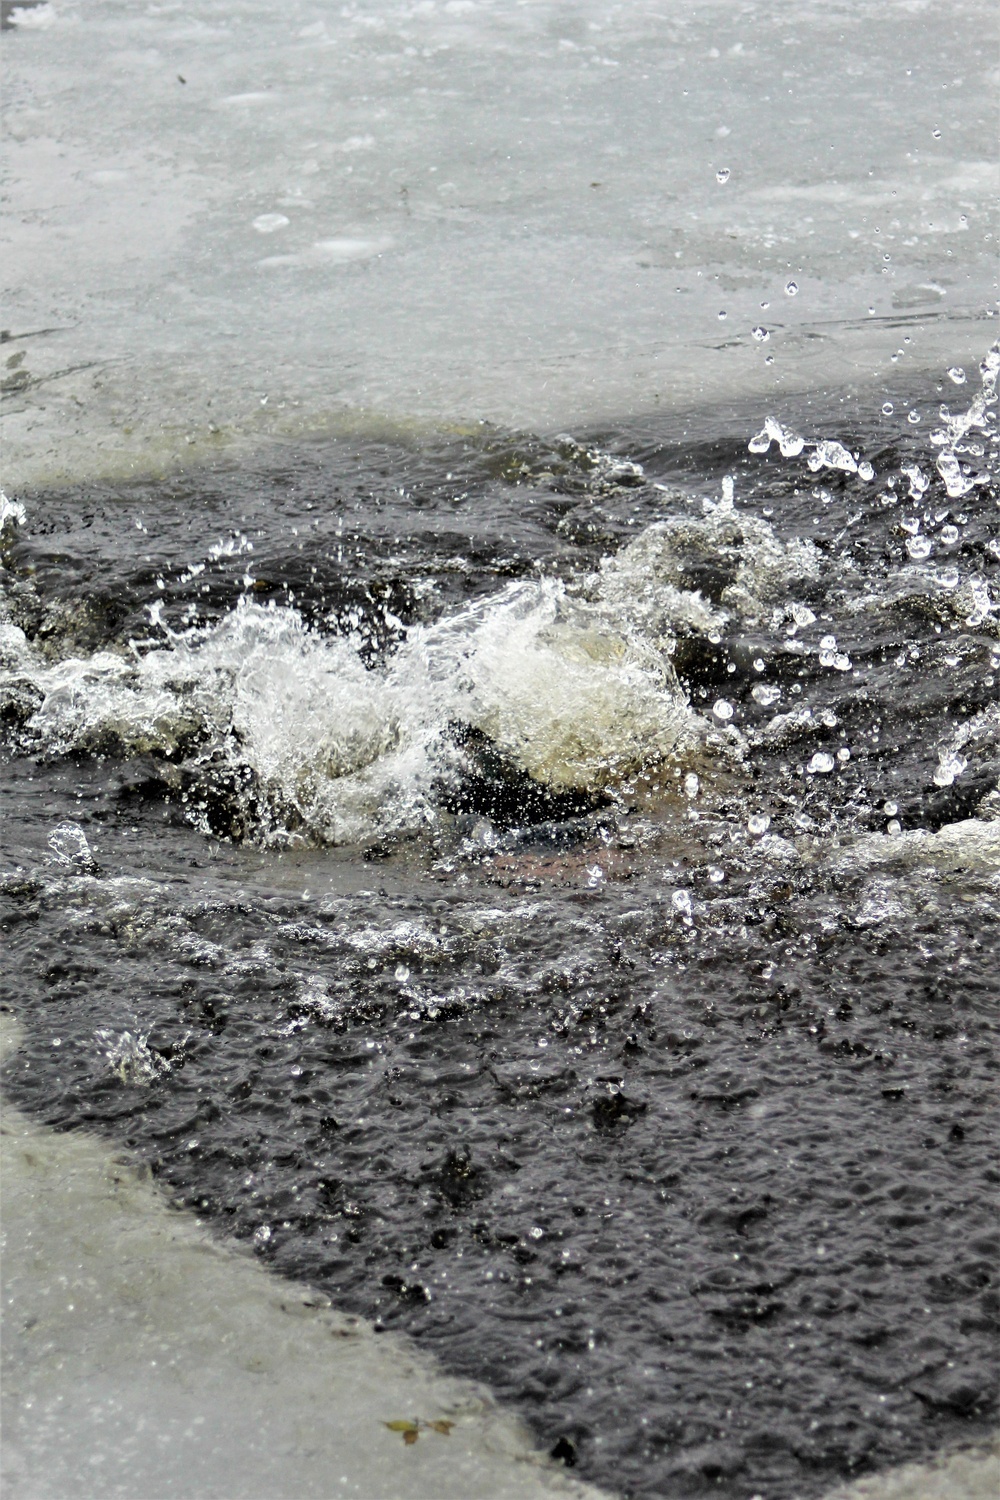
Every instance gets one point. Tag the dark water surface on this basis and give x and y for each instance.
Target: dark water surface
(545, 894)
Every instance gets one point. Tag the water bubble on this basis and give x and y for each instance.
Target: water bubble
(722, 175)
(891, 809)
(828, 643)
(865, 470)
(919, 547)
(893, 827)
(262, 1234)
(691, 785)
(843, 755)
(715, 875)
(913, 417)
(758, 823)
(949, 535)
(759, 664)
(887, 408)
(722, 710)
(791, 287)
(821, 764)
(760, 334)
(957, 374)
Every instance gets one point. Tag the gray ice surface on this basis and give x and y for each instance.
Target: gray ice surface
(239, 216)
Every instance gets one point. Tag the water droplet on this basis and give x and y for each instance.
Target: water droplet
(691, 785)
(765, 695)
(957, 374)
(821, 764)
(828, 643)
(722, 316)
(887, 408)
(949, 535)
(913, 417)
(891, 808)
(936, 134)
(758, 823)
(536, 1232)
(681, 902)
(919, 547)
(760, 334)
(865, 470)
(791, 288)
(843, 755)
(262, 1234)
(950, 767)
(402, 973)
(715, 875)
(722, 710)
(893, 827)
(722, 175)
(759, 664)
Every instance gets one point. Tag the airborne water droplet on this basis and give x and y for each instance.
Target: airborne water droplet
(791, 288)
(957, 374)
(722, 175)
(760, 334)
(722, 710)
(821, 764)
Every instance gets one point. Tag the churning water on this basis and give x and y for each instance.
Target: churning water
(537, 885)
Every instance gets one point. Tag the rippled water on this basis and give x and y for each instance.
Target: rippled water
(544, 891)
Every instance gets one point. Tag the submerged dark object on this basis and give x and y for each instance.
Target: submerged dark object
(487, 783)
